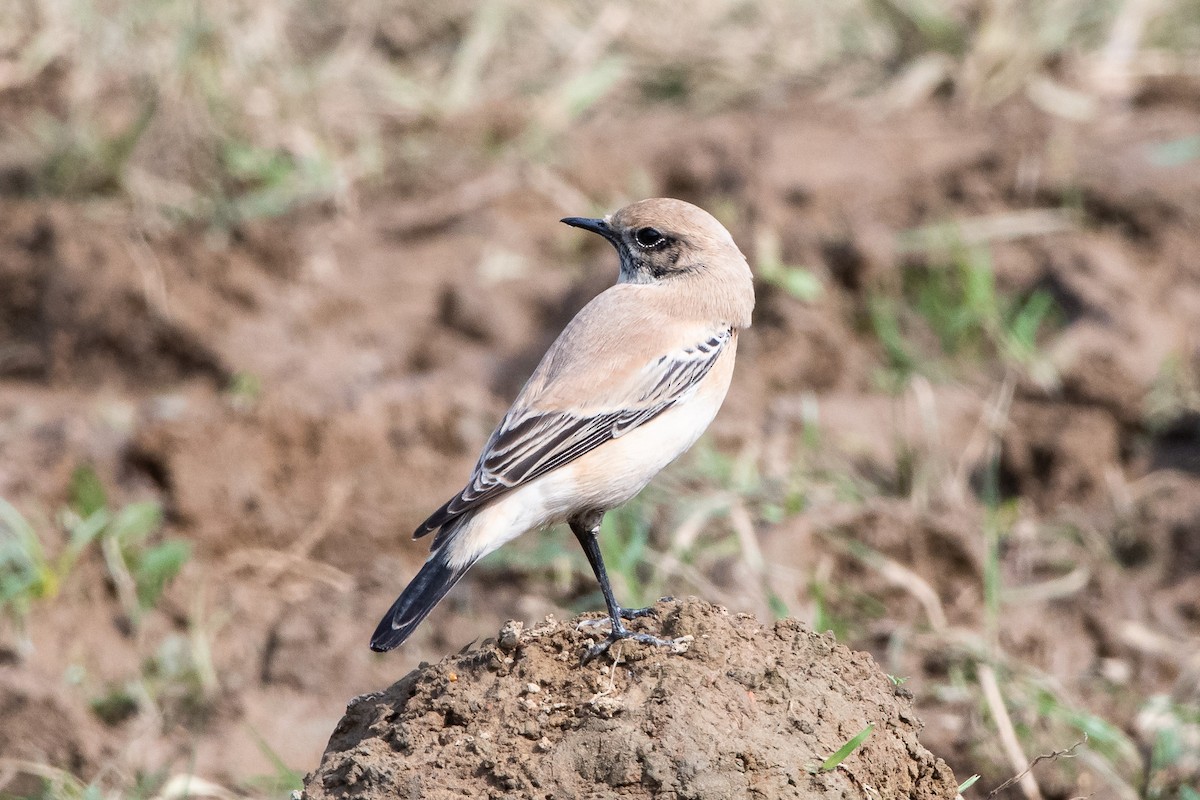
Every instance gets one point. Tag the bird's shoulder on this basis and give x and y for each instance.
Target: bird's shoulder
(608, 346)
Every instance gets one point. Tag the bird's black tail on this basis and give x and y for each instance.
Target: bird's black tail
(430, 585)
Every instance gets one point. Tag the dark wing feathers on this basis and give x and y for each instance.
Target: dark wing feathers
(528, 443)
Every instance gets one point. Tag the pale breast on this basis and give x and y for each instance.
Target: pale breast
(612, 474)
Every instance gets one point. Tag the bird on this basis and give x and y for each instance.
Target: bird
(627, 387)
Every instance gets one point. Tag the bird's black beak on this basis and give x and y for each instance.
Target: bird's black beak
(594, 225)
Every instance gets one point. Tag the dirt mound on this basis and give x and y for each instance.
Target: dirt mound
(748, 710)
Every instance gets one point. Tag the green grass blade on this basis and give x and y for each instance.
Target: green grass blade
(87, 492)
(849, 747)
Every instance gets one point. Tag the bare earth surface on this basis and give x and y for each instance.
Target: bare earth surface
(748, 711)
(383, 342)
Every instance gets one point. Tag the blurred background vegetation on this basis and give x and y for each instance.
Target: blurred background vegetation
(226, 110)
(213, 127)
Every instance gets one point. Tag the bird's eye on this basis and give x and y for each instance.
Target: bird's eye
(648, 237)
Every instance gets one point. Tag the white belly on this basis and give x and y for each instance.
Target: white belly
(602, 479)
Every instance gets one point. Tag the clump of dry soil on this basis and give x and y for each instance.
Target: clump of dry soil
(750, 710)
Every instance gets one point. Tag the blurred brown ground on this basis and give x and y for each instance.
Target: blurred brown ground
(285, 285)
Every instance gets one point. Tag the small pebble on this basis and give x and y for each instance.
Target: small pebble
(510, 634)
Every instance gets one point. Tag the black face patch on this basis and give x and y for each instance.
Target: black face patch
(643, 263)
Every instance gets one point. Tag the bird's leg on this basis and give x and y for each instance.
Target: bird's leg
(586, 528)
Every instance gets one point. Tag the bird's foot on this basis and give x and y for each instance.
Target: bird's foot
(637, 613)
(625, 613)
(620, 632)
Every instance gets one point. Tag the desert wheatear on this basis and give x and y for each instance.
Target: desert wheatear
(628, 386)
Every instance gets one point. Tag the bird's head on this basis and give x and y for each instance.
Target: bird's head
(667, 241)
(662, 238)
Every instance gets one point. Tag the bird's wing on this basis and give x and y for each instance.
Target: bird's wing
(531, 441)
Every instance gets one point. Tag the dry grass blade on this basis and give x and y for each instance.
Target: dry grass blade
(743, 525)
(1053, 589)
(984, 440)
(899, 576)
(180, 787)
(433, 214)
(297, 560)
(1002, 227)
(1008, 735)
(687, 533)
(1114, 74)
(1054, 756)
(59, 782)
(1140, 637)
(426, 216)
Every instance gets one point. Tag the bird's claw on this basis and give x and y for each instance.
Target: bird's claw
(601, 647)
(637, 613)
(625, 613)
